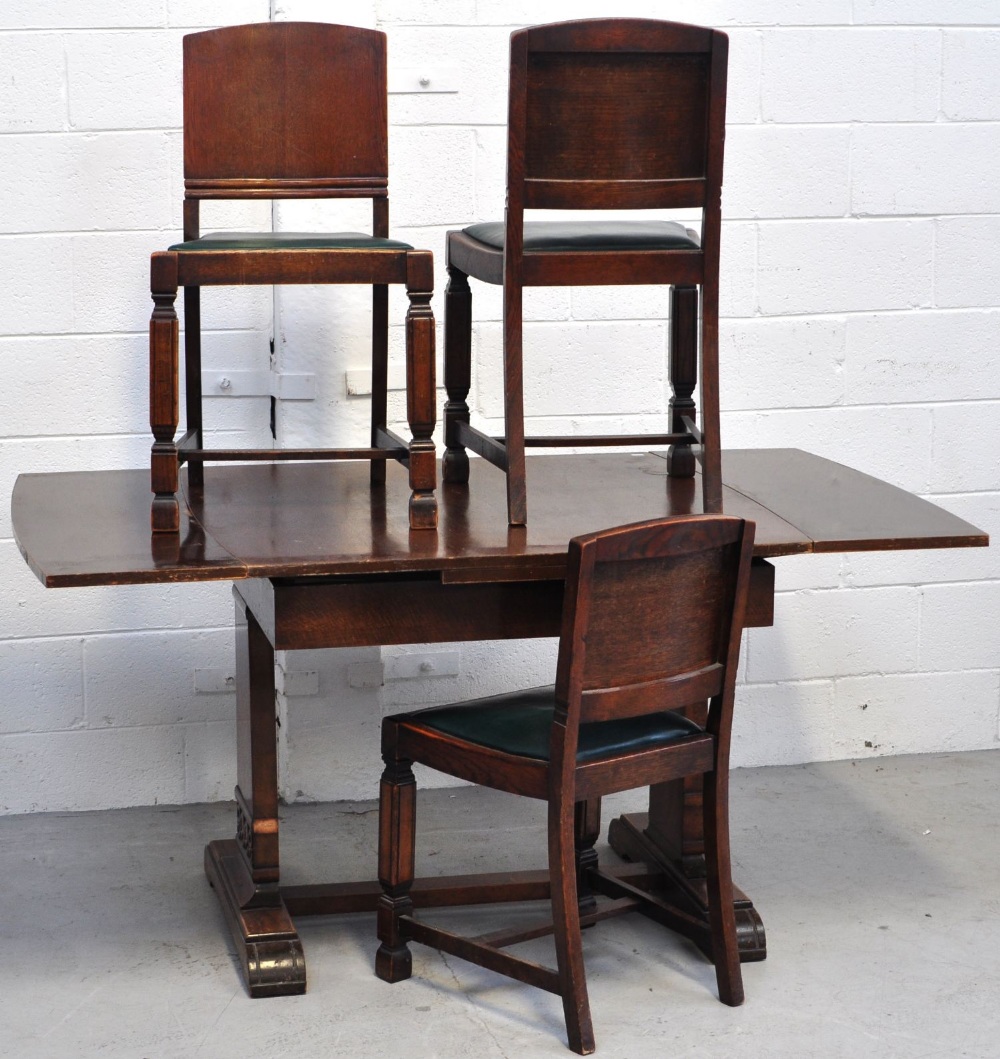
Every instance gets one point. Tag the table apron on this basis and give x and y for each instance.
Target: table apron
(307, 615)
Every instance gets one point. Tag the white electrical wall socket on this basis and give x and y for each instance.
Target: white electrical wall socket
(423, 80)
(258, 384)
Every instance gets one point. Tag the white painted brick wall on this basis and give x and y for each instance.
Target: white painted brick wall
(928, 356)
(965, 269)
(851, 632)
(849, 265)
(787, 171)
(860, 294)
(925, 169)
(104, 68)
(133, 680)
(904, 713)
(970, 89)
(850, 74)
(41, 673)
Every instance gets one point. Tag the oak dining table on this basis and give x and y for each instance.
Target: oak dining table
(320, 558)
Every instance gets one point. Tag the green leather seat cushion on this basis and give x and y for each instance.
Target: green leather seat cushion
(591, 235)
(520, 723)
(290, 241)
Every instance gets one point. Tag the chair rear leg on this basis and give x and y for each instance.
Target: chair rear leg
(513, 381)
(566, 921)
(396, 831)
(711, 451)
(722, 918)
(380, 375)
(192, 381)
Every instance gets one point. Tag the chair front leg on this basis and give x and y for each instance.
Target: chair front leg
(163, 402)
(587, 830)
(420, 388)
(457, 372)
(683, 375)
(396, 833)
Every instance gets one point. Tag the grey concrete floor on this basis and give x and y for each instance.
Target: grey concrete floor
(877, 882)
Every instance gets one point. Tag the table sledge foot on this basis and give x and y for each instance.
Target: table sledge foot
(267, 943)
(628, 838)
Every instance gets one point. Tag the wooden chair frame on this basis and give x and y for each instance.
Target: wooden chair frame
(595, 681)
(281, 111)
(556, 141)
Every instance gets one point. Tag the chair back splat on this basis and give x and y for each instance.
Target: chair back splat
(652, 619)
(649, 618)
(604, 114)
(288, 110)
(612, 116)
(285, 110)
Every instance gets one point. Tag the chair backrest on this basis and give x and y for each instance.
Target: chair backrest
(616, 113)
(652, 619)
(285, 110)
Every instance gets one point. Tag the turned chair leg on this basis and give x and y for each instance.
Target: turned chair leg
(457, 373)
(163, 399)
(719, 880)
(420, 391)
(396, 830)
(683, 375)
(566, 923)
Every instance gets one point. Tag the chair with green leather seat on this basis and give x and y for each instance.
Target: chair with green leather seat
(604, 114)
(651, 627)
(288, 110)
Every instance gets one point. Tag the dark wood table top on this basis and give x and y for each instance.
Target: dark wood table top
(323, 519)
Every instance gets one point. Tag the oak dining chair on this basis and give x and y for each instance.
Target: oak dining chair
(603, 114)
(288, 110)
(651, 627)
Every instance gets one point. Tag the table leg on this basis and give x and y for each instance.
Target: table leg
(245, 871)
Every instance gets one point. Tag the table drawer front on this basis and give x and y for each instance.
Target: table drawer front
(360, 615)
